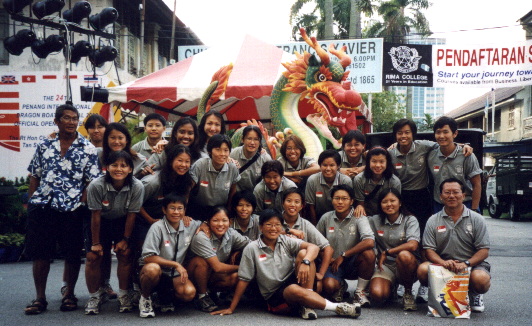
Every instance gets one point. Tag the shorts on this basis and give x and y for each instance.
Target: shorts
(111, 232)
(347, 270)
(165, 288)
(389, 272)
(484, 266)
(277, 303)
(48, 227)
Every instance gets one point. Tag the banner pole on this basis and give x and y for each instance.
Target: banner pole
(493, 114)
(371, 111)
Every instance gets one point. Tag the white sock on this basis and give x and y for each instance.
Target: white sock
(64, 284)
(122, 292)
(95, 294)
(330, 306)
(362, 284)
(201, 295)
(136, 287)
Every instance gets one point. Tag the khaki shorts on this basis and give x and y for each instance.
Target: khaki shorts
(389, 273)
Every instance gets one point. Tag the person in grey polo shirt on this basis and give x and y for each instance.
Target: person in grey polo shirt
(284, 270)
(352, 153)
(378, 175)
(244, 221)
(214, 262)
(269, 191)
(154, 127)
(297, 167)
(450, 162)
(352, 241)
(317, 193)
(114, 200)
(251, 151)
(163, 256)
(397, 239)
(457, 238)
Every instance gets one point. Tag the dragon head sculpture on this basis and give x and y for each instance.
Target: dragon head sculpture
(324, 83)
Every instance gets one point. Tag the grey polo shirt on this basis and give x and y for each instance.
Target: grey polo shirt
(153, 195)
(363, 187)
(346, 234)
(312, 235)
(304, 163)
(101, 196)
(271, 268)
(206, 247)
(143, 148)
(269, 199)
(389, 236)
(214, 186)
(161, 241)
(318, 193)
(345, 161)
(456, 166)
(460, 240)
(248, 178)
(252, 231)
(412, 167)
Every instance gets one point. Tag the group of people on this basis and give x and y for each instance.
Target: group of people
(194, 219)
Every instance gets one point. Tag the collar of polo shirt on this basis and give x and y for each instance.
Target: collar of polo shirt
(398, 221)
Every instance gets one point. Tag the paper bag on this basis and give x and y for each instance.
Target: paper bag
(448, 293)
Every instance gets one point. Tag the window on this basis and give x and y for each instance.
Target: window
(511, 116)
(4, 33)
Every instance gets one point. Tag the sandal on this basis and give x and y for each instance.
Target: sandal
(36, 307)
(69, 303)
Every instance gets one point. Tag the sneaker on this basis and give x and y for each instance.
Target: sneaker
(476, 301)
(351, 310)
(422, 294)
(125, 303)
(409, 302)
(167, 307)
(93, 306)
(63, 290)
(205, 304)
(400, 290)
(134, 297)
(360, 297)
(338, 295)
(307, 313)
(109, 291)
(145, 307)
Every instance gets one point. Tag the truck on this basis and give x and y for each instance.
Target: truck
(509, 186)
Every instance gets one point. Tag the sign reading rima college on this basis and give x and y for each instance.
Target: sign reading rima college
(407, 65)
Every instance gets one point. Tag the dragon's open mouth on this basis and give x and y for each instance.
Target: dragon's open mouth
(333, 114)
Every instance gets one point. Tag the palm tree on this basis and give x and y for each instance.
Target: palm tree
(400, 17)
(356, 8)
(329, 34)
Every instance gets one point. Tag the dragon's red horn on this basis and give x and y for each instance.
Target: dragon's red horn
(325, 60)
(345, 60)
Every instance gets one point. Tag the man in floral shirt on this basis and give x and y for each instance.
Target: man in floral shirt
(60, 170)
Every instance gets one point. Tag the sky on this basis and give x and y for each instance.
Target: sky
(216, 21)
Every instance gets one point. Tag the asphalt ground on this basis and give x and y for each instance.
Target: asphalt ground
(507, 302)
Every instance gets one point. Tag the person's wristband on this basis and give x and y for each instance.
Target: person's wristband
(387, 252)
(95, 244)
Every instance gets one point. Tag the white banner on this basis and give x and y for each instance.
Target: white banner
(493, 66)
(366, 59)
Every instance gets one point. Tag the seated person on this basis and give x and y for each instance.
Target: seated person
(213, 263)
(244, 221)
(352, 241)
(163, 257)
(284, 270)
(297, 166)
(269, 191)
(457, 238)
(397, 239)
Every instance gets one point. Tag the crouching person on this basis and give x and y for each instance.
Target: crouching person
(284, 269)
(163, 254)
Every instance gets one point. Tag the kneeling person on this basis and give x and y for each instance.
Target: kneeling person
(163, 254)
(284, 269)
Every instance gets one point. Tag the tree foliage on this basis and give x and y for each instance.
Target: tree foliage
(386, 108)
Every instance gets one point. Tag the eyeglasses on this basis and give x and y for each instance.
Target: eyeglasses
(454, 193)
(69, 119)
(271, 226)
(341, 198)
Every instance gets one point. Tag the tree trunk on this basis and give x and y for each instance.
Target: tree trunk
(355, 30)
(329, 35)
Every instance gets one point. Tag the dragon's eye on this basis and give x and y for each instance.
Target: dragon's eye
(321, 77)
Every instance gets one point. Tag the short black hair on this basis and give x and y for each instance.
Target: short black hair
(270, 166)
(154, 116)
(247, 196)
(345, 188)
(443, 121)
(64, 107)
(174, 198)
(293, 190)
(217, 210)
(268, 214)
(115, 156)
(216, 141)
(92, 119)
(330, 153)
(450, 180)
(390, 170)
(402, 209)
(403, 122)
(353, 134)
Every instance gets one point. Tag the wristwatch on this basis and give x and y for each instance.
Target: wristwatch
(127, 240)
(287, 230)
(467, 263)
(387, 251)
(306, 262)
(343, 254)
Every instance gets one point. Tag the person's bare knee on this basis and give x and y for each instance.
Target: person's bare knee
(184, 292)
(330, 285)
(124, 256)
(422, 273)
(150, 272)
(480, 281)
(379, 290)
(93, 260)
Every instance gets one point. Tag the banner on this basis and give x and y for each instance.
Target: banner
(495, 66)
(407, 65)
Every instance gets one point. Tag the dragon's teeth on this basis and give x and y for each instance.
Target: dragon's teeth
(334, 119)
(339, 111)
(343, 120)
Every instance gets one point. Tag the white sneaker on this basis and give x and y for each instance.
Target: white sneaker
(400, 290)
(422, 294)
(307, 313)
(360, 297)
(346, 309)
(93, 306)
(145, 307)
(476, 301)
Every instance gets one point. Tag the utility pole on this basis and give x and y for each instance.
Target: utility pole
(172, 45)
(142, 13)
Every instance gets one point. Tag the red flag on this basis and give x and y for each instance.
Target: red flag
(49, 77)
(28, 79)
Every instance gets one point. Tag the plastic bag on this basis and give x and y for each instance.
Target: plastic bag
(448, 293)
